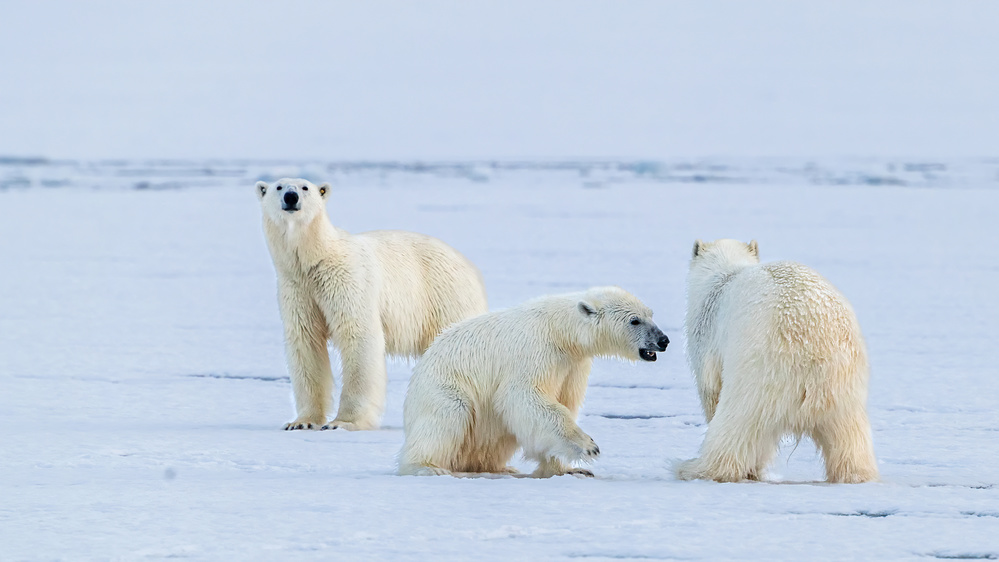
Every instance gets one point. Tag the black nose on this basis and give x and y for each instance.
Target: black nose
(663, 341)
(291, 199)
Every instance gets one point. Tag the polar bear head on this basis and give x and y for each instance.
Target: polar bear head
(622, 325)
(723, 255)
(713, 263)
(292, 201)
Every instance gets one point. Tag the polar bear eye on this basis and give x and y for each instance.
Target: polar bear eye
(305, 188)
(635, 321)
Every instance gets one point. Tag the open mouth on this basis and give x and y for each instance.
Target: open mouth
(647, 354)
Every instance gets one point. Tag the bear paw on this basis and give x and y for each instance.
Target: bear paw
(699, 469)
(431, 471)
(687, 470)
(554, 467)
(853, 477)
(585, 447)
(348, 425)
(301, 424)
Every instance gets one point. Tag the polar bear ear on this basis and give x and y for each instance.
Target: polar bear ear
(261, 188)
(586, 308)
(324, 190)
(697, 248)
(754, 248)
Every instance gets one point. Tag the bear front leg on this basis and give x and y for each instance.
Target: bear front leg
(308, 367)
(545, 428)
(362, 399)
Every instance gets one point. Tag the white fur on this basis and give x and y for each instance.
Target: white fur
(370, 294)
(517, 378)
(775, 350)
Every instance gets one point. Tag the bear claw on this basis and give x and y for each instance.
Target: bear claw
(349, 426)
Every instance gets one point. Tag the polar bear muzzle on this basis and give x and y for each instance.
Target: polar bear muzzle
(290, 202)
(659, 343)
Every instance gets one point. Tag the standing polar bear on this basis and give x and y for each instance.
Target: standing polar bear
(775, 350)
(371, 293)
(517, 377)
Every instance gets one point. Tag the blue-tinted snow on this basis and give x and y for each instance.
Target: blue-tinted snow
(144, 383)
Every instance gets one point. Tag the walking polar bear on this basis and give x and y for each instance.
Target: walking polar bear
(517, 378)
(371, 293)
(775, 349)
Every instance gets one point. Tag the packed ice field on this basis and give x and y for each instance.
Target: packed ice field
(145, 384)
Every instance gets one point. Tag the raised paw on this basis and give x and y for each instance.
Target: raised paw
(586, 447)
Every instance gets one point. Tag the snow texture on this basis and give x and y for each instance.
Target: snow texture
(144, 384)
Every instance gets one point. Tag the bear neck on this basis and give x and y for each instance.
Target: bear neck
(707, 277)
(300, 246)
(575, 339)
(704, 287)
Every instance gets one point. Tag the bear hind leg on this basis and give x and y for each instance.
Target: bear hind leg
(846, 445)
(488, 448)
(709, 384)
(435, 439)
(740, 442)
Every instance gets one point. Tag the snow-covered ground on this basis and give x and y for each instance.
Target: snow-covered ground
(144, 385)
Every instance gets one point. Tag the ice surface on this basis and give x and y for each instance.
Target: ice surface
(144, 386)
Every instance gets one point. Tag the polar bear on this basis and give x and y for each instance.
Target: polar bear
(516, 378)
(775, 350)
(373, 293)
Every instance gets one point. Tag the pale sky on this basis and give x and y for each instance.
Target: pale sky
(503, 80)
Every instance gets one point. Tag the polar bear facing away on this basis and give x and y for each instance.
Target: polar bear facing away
(775, 350)
(370, 294)
(516, 378)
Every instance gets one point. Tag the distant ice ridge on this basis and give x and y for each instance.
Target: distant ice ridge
(21, 173)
